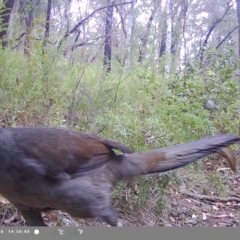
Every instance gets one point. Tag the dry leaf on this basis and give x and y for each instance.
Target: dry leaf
(195, 208)
(188, 200)
(204, 216)
(221, 205)
(215, 208)
(231, 215)
(52, 217)
(221, 216)
(3, 200)
(205, 192)
(136, 189)
(10, 219)
(222, 169)
(194, 216)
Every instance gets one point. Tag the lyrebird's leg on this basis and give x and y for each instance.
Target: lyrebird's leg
(32, 216)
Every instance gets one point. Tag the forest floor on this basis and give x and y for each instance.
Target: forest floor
(209, 197)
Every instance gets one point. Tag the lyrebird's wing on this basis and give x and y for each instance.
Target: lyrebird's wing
(56, 153)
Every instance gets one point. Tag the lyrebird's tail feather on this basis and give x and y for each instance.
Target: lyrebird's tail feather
(228, 154)
(169, 158)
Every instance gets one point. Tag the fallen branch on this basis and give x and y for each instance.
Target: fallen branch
(212, 199)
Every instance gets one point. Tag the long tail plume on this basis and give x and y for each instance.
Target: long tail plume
(169, 158)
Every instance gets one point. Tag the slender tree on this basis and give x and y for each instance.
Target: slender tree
(238, 18)
(5, 13)
(47, 24)
(108, 37)
(144, 38)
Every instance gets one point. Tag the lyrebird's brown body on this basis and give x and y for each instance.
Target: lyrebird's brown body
(43, 169)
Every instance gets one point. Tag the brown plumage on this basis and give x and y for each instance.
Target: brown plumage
(43, 169)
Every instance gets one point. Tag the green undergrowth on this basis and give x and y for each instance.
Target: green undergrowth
(140, 108)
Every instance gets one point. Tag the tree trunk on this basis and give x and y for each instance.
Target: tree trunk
(211, 28)
(238, 18)
(108, 38)
(144, 38)
(47, 24)
(27, 43)
(5, 18)
(130, 29)
(178, 31)
(168, 37)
